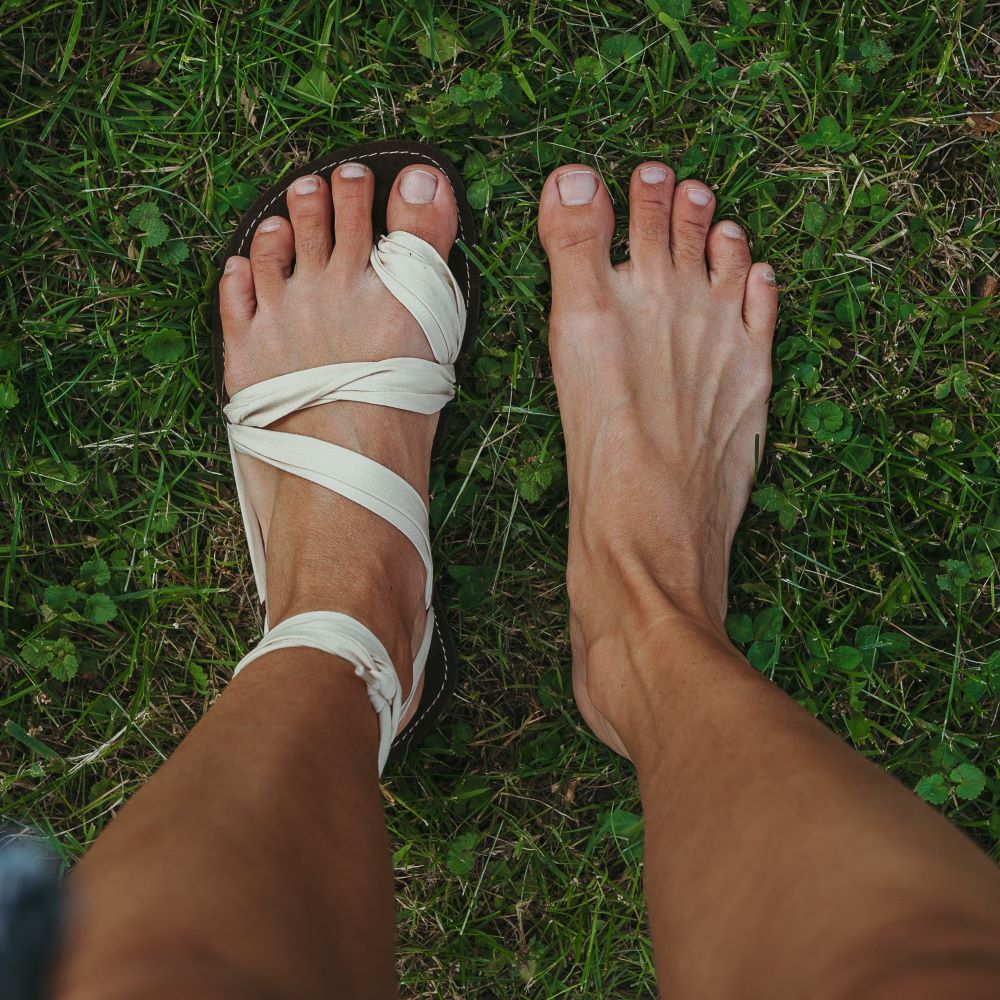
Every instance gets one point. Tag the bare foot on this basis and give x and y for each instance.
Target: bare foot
(308, 297)
(662, 366)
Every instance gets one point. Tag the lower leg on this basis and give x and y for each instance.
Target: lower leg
(256, 862)
(772, 843)
(250, 865)
(779, 864)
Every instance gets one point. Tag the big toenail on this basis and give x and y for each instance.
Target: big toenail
(699, 195)
(417, 187)
(230, 266)
(269, 225)
(577, 187)
(353, 170)
(306, 185)
(731, 230)
(652, 175)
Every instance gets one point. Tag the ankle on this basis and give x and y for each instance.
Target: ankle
(640, 642)
(639, 681)
(620, 593)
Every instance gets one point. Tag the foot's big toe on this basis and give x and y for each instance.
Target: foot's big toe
(422, 203)
(576, 221)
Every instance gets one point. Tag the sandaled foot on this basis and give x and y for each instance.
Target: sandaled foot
(307, 297)
(662, 367)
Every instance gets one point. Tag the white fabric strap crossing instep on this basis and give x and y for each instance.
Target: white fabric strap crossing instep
(416, 275)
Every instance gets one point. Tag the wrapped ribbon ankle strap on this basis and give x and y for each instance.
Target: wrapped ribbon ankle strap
(343, 636)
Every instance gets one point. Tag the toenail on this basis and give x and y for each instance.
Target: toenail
(269, 225)
(230, 266)
(699, 195)
(731, 230)
(306, 185)
(417, 187)
(577, 187)
(652, 175)
(769, 277)
(353, 170)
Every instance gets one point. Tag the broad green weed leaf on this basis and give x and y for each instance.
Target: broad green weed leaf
(621, 49)
(828, 135)
(933, 788)
(739, 627)
(174, 252)
(955, 577)
(703, 57)
(149, 224)
(828, 421)
(461, 855)
(57, 656)
(739, 13)
(761, 655)
(61, 598)
(859, 456)
(969, 781)
(479, 193)
(767, 624)
(845, 658)
(164, 347)
(316, 86)
(100, 609)
(95, 570)
(626, 828)
(814, 218)
(442, 47)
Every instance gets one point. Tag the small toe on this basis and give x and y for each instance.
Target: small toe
(423, 203)
(353, 190)
(760, 303)
(728, 259)
(271, 254)
(237, 299)
(576, 221)
(309, 210)
(690, 217)
(651, 196)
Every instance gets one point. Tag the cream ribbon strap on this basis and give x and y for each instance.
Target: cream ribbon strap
(417, 276)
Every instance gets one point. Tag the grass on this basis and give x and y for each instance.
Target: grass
(857, 142)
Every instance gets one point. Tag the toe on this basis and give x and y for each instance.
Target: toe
(353, 189)
(271, 256)
(760, 303)
(690, 217)
(576, 221)
(650, 195)
(423, 203)
(237, 300)
(309, 209)
(728, 260)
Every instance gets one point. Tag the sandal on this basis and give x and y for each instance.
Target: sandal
(443, 296)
